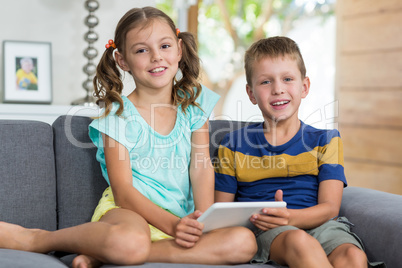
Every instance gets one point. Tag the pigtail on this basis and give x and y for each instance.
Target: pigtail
(184, 93)
(108, 83)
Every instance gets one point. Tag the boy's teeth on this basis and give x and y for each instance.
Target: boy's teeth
(157, 70)
(280, 103)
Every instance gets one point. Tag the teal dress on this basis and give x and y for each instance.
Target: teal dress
(159, 163)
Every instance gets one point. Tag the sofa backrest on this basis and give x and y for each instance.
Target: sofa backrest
(27, 180)
(80, 183)
(218, 129)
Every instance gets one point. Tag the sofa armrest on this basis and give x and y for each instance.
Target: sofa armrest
(377, 217)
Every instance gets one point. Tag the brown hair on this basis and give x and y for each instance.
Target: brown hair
(272, 47)
(107, 81)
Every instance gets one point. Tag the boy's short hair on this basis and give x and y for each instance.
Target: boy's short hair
(272, 47)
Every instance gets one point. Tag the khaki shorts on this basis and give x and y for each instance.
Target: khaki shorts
(330, 235)
(106, 203)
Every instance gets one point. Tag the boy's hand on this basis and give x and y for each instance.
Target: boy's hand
(271, 217)
(188, 230)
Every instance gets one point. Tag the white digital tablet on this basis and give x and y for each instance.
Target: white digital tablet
(229, 214)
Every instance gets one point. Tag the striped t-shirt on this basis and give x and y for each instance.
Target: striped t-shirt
(252, 169)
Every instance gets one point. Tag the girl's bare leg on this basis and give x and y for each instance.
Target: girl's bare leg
(222, 246)
(121, 237)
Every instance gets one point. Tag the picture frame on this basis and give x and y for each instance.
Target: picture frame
(27, 72)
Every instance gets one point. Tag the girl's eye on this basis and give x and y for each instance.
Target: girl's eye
(165, 46)
(142, 50)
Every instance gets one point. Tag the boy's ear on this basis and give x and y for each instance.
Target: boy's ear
(306, 87)
(121, 62)
(250, 94)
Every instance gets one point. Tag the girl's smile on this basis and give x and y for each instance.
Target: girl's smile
(158, 71)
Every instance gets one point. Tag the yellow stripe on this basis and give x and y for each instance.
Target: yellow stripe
(225, 164)
(331, 153)
(248, 168)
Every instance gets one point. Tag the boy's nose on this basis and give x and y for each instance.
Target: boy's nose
(277, 89)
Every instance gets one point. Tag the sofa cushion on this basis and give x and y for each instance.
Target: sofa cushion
(377, 217)
(80, 183)
(28, 184)
(23, 259)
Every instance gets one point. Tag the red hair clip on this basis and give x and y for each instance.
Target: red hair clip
(177, 31)
(110, 44)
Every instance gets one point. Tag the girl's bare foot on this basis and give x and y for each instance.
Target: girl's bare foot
(13, 236)
(85, 261)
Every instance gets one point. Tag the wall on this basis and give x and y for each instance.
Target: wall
(369, 87)
(61, 22)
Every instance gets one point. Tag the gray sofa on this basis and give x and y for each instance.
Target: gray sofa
(50, 179)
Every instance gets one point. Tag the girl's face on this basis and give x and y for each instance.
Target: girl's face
(152, 55)
(277, 88)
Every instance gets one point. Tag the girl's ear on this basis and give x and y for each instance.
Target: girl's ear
(121, 62)
(250, 94)
(180, 45)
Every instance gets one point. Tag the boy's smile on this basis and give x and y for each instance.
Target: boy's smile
(277, 88)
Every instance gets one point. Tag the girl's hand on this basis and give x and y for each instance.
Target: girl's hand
(188, 230)
(272, 217)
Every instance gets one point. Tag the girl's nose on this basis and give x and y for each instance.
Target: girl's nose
(156, 56)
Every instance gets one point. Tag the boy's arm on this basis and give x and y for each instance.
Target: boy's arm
(224, 197)
(329, 202)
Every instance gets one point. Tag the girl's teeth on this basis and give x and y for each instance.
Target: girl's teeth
(157, 70)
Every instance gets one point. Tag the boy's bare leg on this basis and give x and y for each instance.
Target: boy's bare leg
(348, 256)
(121, 237)
(223, 246)
(296, 248)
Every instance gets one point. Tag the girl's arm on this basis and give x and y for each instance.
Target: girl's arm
(329, 202)
(126, 196)
(202, 174)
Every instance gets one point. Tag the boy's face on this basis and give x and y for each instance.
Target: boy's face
(27, 66)
(277, 88)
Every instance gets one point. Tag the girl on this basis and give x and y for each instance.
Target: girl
(153, 151)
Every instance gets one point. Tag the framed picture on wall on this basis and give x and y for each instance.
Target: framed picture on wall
(27, 72)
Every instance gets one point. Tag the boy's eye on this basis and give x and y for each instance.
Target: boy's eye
(265, 82)
(288, 79)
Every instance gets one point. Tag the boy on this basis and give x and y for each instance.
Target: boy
(284, 159)
(26, 79)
